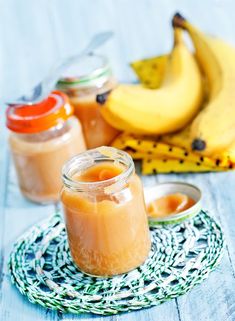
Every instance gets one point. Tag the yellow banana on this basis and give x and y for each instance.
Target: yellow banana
(182, 139)
(159, 165)
(213, 130)
(151, 71)
(137, 109)
(142, 148)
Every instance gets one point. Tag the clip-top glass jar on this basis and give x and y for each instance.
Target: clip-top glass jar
(82, 82)
(42, 138)
(104, 212)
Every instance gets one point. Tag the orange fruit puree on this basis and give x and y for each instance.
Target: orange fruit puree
(96, 130)
(100, 172)
(108, 233)
(169, 205)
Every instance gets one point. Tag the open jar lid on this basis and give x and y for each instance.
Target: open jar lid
(167, 188)
(52, 111)
(87, 71)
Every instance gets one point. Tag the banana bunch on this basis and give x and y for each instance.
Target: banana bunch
(213, 129)
(208, 142)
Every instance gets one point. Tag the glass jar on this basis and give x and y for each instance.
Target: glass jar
(104, 212)
(42, 138)
(82, 83)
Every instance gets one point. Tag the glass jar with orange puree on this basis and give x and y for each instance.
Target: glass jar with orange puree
(42, 138)
(82, 82)
(104, 212)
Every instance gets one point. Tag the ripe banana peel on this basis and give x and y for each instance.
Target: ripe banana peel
(213, 130)
(159, 165)
(168, 108)
(160, 157)
(151, 71)
(183, 140)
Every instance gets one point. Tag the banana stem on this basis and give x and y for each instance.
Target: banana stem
(178, 21)
(178, 36)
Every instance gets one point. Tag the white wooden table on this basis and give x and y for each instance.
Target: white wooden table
(35, 35)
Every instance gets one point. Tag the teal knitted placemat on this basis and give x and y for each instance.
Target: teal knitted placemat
(181, 256)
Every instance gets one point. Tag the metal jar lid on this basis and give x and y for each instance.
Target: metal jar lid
(163, 189)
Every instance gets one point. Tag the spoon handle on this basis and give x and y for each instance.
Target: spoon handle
(97, 40)
(42, 90)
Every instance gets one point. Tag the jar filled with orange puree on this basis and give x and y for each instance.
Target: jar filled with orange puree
(42, 138)
(82, 82)
(104, 212)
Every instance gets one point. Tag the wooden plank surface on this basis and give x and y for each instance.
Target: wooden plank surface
(35, 35)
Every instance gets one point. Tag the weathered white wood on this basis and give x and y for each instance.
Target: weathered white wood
(164, 312)
(28, 49)
(3, 190)
(215, 298)
(14, 306)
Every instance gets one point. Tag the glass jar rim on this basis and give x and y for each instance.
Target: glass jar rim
(87, 159)
(97, 73)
